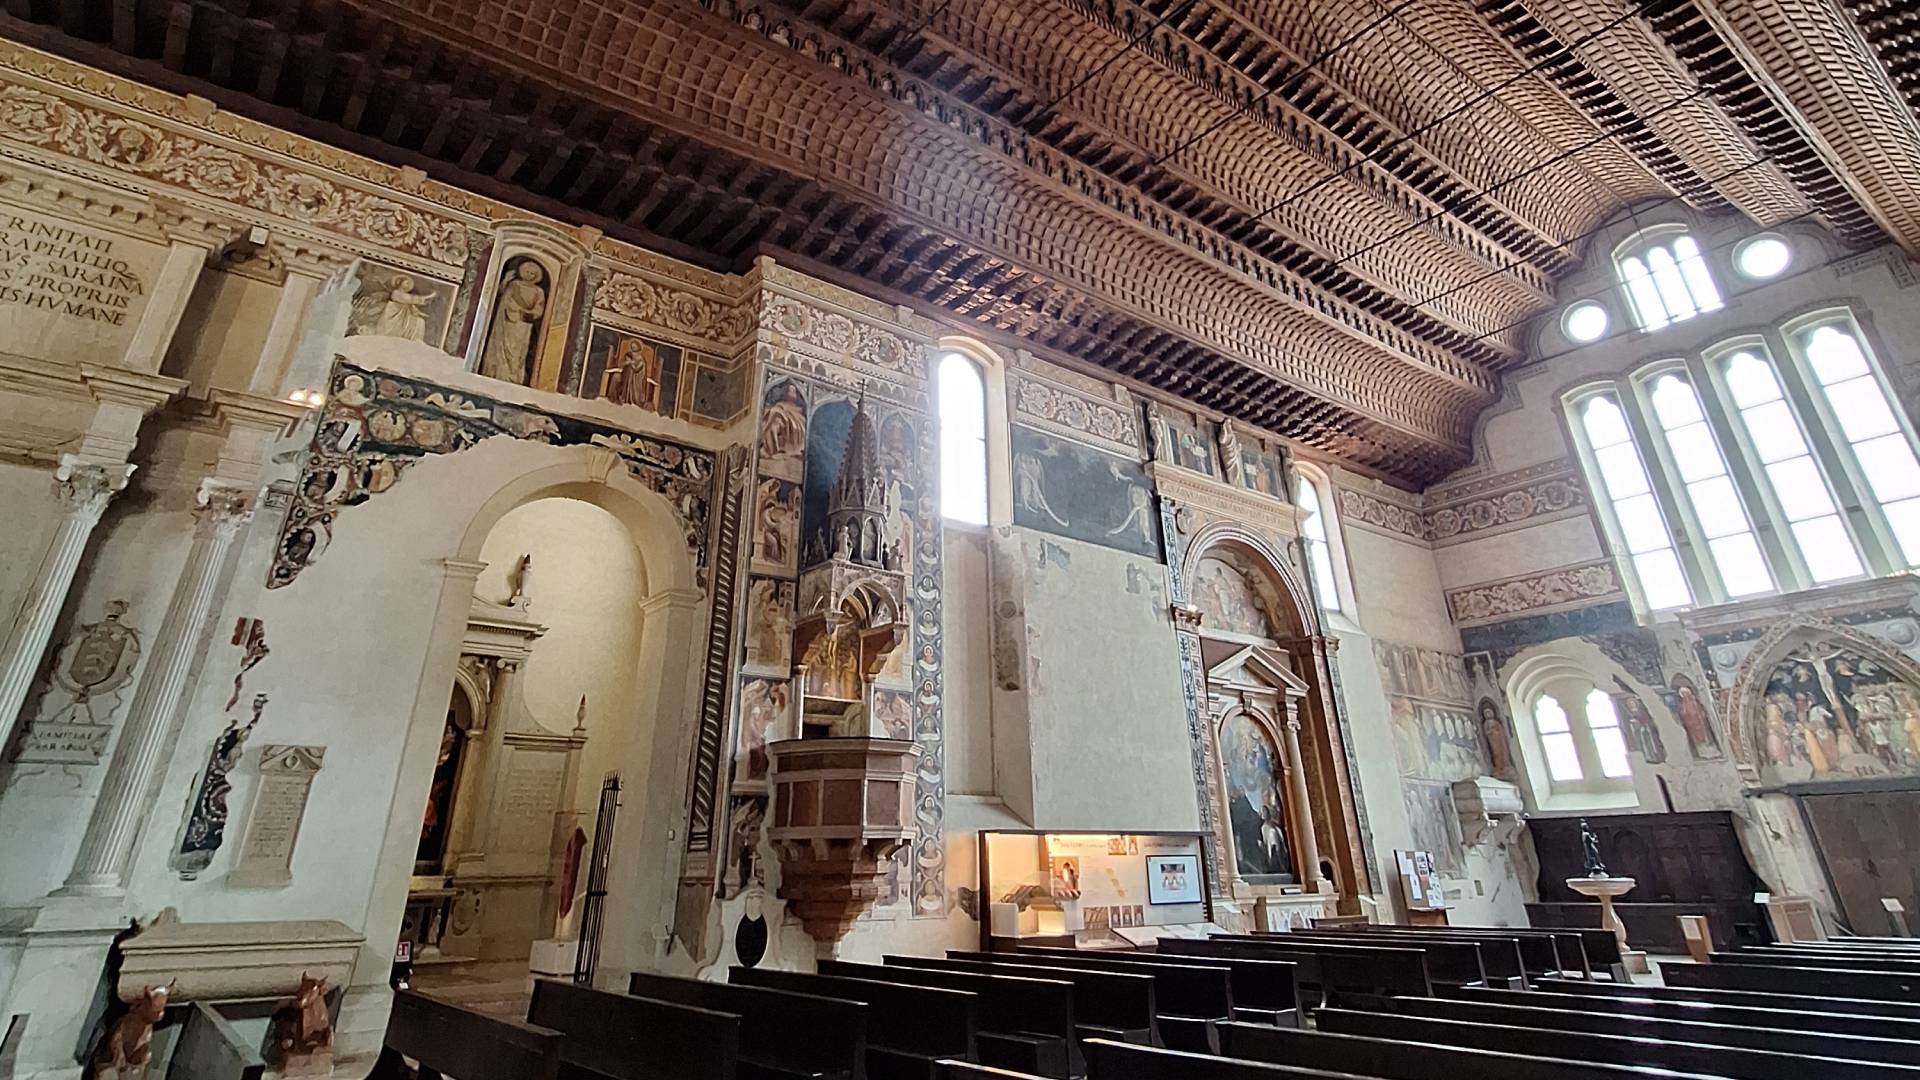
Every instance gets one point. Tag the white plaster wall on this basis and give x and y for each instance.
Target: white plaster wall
(1566, 542)
(1397, 594)
(967, 678)
(1108, 723)
(587, 585)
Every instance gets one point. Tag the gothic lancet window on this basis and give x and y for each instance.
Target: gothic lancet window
(963, 440)
(1313, 536)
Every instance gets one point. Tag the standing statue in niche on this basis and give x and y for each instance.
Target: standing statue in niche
(517, 312)
(1590, 844)
(1230, 459)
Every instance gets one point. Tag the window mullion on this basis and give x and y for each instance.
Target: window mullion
(1858, 509)
(1689, 539)
(1790, 573)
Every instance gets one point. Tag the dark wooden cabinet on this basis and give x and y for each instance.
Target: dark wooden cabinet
(1685, 864)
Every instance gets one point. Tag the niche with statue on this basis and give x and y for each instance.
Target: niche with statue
(521, 326)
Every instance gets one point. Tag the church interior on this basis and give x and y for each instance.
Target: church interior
(1113, 539)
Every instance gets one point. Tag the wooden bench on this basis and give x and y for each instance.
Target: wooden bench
(1264, 991)
(617, 1037)
(1543, 953)
(1853, 960)
(1813, 1044)
(1022, 1023)
(1812, 981)
(1356, 972)
(1780, 1017)
(1753, 998)
(1108, 1060)
(782, 1034)
(966, 1070)
(1734, 1063)
(445, 1038)
(1409, 1061)
(1188, 999)
(1453, 961)
(909, 1028)
(1106, 1004)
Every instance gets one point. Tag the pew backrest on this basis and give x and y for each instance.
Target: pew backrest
(1104, 998)
(1814, 981)
(1363, 970)
(1779, 1018)
(1385, 1060)
(1257, 984)
(1853, 1047)
(1107, 1060)
(621, 1037)
(1178, 990)
(779, 1028)
(1734, 1063)
(1455, 960)
(1758, 999)
(1041, 1006)
(927, 1020)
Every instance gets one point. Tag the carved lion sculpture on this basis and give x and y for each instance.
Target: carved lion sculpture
(129, 1042)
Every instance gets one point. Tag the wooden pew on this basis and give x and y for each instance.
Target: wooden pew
(1022, 1023)
(1361, 972)
(1264, 991)
(1543, 953)
(1751, 998)
(617, 1037)
(1812, 1044)
(1188, 1000)
(1107, 1004)
(1781, 1017)
(1812, 981)
(1734, 1063)
(445, 1038)
(1453, 961)
(909, 1028)
(966, 1070)
(1856, 959)
(1108, 1060)
(1409, 1061)
(782, 1034)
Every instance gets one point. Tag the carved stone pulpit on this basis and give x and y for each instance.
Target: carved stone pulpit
(841, 808)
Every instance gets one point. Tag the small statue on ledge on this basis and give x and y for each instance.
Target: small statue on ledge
(303, 1031)
(128, 1045)
(1590, 844)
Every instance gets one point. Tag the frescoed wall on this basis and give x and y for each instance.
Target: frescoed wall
(1072, 490)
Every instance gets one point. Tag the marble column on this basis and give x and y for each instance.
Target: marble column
(106, 851)
(1296, 768)
(84, 490)
(463, 847)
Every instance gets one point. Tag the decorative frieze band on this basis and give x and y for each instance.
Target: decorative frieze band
(1548, 590)
(1052, 405)
(1483, 507)
(1371, 511)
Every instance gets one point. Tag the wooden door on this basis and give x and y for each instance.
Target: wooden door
(1871, 845)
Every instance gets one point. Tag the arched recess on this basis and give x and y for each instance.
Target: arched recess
(673, 614)
(1751, 727)
(1296, 663)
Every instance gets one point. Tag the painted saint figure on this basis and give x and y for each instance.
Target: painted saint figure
(516, 315)
(1692, 714)
(394, 311)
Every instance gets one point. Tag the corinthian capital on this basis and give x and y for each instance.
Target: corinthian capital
(221, 503)
(85, 488)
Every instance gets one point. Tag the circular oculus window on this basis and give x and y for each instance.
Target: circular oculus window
(1585, 322)
(1762, 257)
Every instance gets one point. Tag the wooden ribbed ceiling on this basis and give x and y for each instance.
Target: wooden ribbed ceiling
(1330, 219)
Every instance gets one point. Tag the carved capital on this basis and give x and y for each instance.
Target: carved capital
(86, 488)
(219, 503)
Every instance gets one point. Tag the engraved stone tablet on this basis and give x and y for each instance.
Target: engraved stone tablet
(273, 826)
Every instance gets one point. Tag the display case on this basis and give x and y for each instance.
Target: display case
(1092, 890)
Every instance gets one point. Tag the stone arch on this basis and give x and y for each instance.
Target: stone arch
(1744, 701)
(673, 614)
(1255, 554)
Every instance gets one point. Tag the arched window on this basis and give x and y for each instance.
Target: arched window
(1633, 511)
(1867, 419)
(1710, 493)
(963, 440)
(1666, 278)
(1575, 752)
(1787, 465)
(1314, 537)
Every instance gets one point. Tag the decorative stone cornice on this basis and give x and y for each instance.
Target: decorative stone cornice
(1223, 500)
